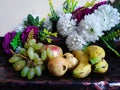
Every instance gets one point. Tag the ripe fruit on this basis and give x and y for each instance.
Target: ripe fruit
(19, 65)
(24, 71)
(30, 53)
(82, 71)
(14, 59)
(53, 51)
(84, 68)
(31, 73)
(96, 53)
(100, 67)
(57, 66)
(72, 61)
(38, 71)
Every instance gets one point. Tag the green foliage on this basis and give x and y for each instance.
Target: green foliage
(90, 4)
(116, 4)
(111, 37)
(69, 6)
(53, 16)
(45, 35)
(31, 21)
(16, 41)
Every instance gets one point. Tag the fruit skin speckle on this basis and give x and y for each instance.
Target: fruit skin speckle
(57, 66)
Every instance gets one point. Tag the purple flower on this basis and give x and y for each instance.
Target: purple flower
(6, 42)
(80, 13)
(97, 5)
(26, 32)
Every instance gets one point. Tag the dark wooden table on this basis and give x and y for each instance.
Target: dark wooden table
(11, 80)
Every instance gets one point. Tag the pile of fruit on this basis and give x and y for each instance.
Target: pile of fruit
(32, 60)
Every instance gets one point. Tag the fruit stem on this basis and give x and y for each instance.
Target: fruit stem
(19, 55)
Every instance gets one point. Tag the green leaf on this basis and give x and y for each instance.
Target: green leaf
(89, 4)
(69, 6)
(31, 19)
(45, 35)
(16, 41)
(53, 15)
(37, 19)
(112, 35)
(110, 47)
(41, 22)
(26, 23)
(108, 38)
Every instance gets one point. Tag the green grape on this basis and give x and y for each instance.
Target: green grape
(31, 73)
(49, 53)
(14, 59)
(19, 65)
(36, 56)
(23, 51)
(30, 53)
(43, 55)
(38, 71)
(31, 42)
(24, 71)
(38, 62)
(37, 46)
(26, 45)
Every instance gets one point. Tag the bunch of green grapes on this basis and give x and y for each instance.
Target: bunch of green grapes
(31, 59)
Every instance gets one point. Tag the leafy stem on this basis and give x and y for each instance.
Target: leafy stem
(110, 47)
(16, 41)
(53, 15)
(45, 35)
(108, 38)
(69, 6)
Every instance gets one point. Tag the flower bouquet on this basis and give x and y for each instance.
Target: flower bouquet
(70, 25)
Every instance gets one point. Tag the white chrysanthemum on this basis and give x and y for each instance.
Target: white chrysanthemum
(109, 16)
(48, 23)
(90, 28)
(59, 11)
(66, 25)
(75, 42)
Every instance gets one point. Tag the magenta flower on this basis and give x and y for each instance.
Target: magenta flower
(80, 13)
(27, 31)
(6, 42)
(97, 5)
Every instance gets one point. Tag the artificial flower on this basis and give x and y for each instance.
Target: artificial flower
(66, 25)
(75, 42)
(27, 31)
(109, 16)
(88, 29)
(6, 42)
